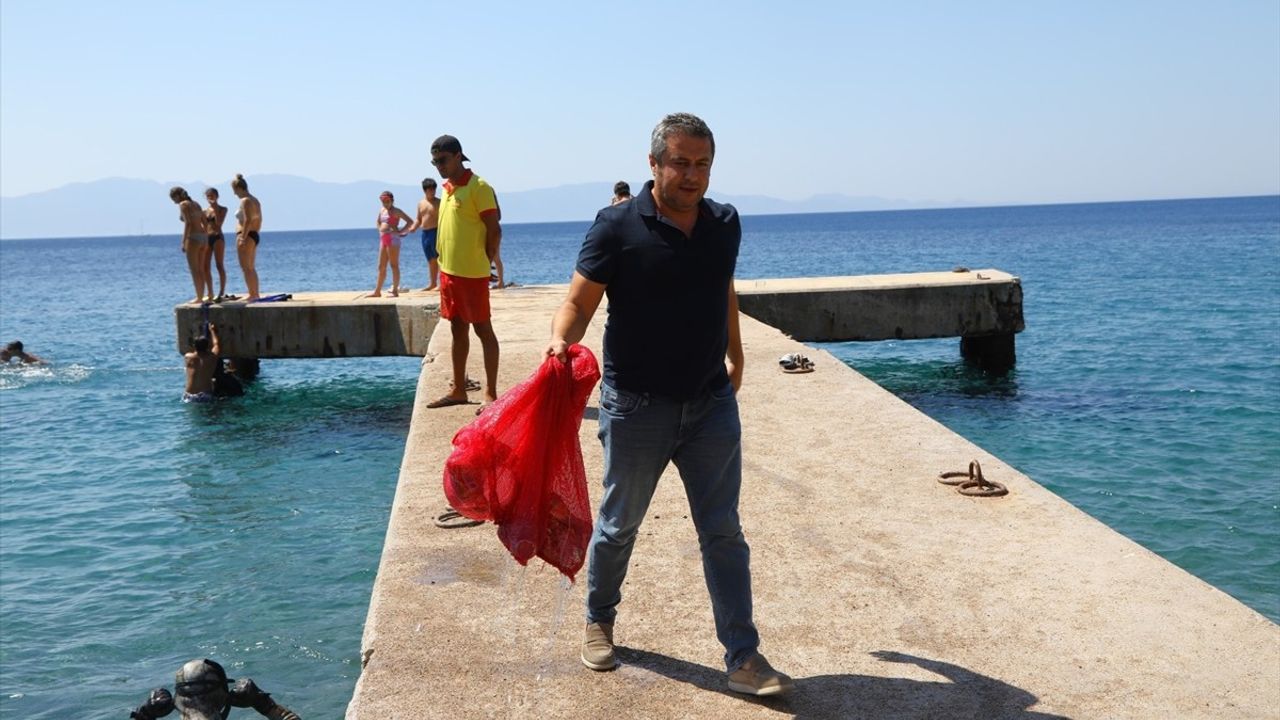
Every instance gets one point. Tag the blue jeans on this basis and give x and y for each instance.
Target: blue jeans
(703, 437)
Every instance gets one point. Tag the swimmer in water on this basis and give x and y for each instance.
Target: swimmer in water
(14, 350)
(202, 364)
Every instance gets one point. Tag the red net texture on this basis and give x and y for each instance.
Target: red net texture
(519, 464)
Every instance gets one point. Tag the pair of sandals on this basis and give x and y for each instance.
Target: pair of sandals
(451, 519)
(795, 363)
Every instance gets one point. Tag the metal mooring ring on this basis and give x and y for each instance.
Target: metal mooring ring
(985, 488)
(972, 483)
(958, 476)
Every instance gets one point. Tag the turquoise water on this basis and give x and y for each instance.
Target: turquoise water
(137, 532)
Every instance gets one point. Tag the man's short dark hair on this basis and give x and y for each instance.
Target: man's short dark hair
(678, 124)
(14, 347)
(428, 183)
(201, 344)
(621, 188)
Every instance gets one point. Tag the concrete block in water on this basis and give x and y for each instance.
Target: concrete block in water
(886, 307)
(315, 325)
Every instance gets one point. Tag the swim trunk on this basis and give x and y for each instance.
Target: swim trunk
(389, 240)
(198, 239)
(465, 299)
(429, 244)
(200, 397)
(215, 238)
(253, 235)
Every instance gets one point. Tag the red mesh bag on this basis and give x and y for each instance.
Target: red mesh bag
(519, 464)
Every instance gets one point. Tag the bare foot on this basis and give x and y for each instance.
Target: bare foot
(429, 288)
(252, 298)
(375, 293)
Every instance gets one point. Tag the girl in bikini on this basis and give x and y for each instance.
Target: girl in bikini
(195, 242)
(248, 227)
(213, 217)
(389, 233)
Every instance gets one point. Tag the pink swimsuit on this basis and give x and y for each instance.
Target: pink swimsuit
(387, 239)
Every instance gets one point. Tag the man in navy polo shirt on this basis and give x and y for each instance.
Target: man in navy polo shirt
(672, 368)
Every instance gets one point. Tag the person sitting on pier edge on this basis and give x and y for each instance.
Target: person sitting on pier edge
(14, 350)
(669, 392)
(468, 237)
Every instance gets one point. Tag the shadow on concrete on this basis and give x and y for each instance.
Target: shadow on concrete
(963, 694)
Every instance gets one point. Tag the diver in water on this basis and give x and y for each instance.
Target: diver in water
(202, 694)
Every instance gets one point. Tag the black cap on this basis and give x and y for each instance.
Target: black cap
(449, 144)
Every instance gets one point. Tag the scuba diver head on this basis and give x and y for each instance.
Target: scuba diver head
(200, 691)
(202, 694)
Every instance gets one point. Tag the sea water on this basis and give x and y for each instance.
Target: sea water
(137, 532)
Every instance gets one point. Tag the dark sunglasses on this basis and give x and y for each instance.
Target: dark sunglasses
(441, 160)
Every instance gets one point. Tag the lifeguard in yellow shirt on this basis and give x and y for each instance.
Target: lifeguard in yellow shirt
(468, 237)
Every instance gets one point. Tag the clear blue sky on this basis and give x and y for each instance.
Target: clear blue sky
(989, 102)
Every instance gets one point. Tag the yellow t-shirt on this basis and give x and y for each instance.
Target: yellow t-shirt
(461, 233)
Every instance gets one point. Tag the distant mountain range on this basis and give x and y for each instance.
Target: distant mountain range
(121, 206)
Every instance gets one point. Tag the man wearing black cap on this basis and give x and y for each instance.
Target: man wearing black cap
(467, 240)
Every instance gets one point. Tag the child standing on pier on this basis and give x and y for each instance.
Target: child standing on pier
(389, 234)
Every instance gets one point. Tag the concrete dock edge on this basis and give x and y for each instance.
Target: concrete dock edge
(886, 594)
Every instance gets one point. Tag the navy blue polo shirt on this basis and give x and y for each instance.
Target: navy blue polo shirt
(668, 294)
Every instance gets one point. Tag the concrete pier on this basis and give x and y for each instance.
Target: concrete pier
(315, 325)
(907, 306)
(981, 307)
(885, 593)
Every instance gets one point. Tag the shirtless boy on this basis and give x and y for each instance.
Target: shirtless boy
(428, 217)
(202, 363)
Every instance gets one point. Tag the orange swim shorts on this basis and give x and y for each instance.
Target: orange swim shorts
(465, 299)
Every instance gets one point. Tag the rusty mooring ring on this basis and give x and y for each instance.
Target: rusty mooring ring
(955, 477)
(972, 483)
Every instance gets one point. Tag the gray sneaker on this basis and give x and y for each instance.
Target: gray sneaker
(597, 647)
(757, 677)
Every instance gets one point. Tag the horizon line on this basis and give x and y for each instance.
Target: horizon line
(776, 214)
